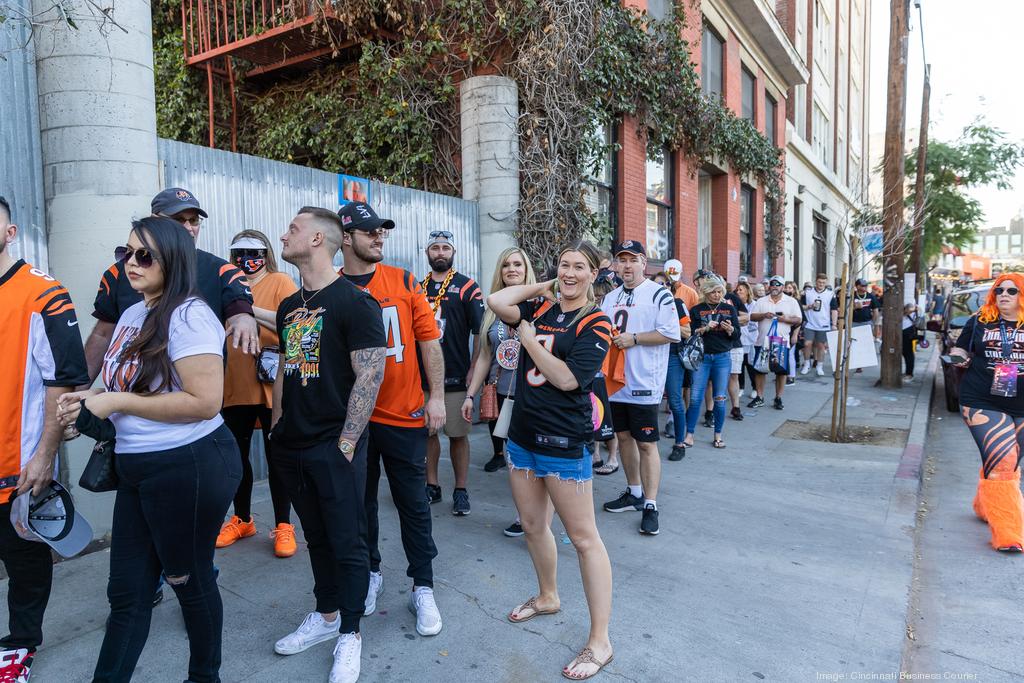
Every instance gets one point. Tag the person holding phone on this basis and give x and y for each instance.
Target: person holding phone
(717, 321)
(991, 347)
(783, 312)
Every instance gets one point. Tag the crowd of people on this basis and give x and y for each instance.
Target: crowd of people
(355, 370)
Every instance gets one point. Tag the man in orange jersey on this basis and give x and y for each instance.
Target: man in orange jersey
(398, 428)
(41, 349)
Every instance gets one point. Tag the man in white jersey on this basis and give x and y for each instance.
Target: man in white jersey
(821, 307)
(644, 323)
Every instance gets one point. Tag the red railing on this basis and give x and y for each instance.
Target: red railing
(211, 28)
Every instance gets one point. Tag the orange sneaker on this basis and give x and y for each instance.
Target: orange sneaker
(284, 540)
(235, 529)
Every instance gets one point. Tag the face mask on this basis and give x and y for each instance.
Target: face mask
(251, 266)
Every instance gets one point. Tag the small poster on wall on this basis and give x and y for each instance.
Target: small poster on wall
(353, 189)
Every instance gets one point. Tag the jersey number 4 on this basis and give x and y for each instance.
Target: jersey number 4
(534, 377)
(393, 333)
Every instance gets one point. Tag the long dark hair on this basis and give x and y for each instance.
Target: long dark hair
(175, 251)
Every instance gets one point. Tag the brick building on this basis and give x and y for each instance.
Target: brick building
(710, 216)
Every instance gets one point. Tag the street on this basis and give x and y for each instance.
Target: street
(779, 559)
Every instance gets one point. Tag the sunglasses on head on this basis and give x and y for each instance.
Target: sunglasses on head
(446, 234)
(143, 257)
(1012, 291)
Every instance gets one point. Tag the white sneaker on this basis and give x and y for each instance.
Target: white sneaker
(805, 369)
(375, 588)
(347, 654)
(821, 371)
(428, 617)
(311, 631)
(16, 665)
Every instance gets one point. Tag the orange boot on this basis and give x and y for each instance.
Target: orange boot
(978, 510)
(1003, 505)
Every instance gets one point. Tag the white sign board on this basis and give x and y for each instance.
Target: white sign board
(909, 280)
(862, 347)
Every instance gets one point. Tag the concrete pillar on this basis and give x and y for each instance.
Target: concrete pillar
(490, 163)
(97, 114)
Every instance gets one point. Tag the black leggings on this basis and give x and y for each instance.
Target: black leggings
(496, 443)
(909, 335)
(999, 437)
(241, 420)
(747, 369)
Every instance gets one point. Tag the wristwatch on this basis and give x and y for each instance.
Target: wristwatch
(346, 447)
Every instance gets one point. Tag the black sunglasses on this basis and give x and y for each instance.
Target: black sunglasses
(248, 253)
(143, 257)
(446, 234)
(1012, 291)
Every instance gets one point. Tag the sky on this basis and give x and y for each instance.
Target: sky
(975, 51)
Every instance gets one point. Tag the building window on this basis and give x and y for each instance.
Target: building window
(659, 9)
(821, 136)
(1004, 244)
(769, 215)
(659, 207)
(747, 82)
(599, 192)
(800, 110)
(711, 49)
(746, 229)
(820, 244)
(770, 107)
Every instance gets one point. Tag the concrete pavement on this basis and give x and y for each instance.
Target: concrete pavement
(779, 559)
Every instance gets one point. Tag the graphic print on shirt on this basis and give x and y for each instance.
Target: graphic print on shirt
(302, 331)
(992, 340)
(118, 372)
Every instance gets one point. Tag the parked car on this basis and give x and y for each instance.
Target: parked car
(960, 306)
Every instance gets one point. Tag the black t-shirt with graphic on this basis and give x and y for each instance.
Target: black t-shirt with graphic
(222, 286)
(316, 339)
(864, 306)
(985, 342)
(546, 419)
(462, 309)
(715, 340)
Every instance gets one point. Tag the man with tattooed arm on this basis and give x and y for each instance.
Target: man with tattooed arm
(332, 342)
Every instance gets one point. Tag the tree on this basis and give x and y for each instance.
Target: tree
(981, 156)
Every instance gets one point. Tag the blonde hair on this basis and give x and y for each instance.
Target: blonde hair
(257, 235)
(497, 284)
(593, 258)
(710, 284)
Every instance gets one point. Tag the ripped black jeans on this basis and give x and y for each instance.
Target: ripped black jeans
(168, 511)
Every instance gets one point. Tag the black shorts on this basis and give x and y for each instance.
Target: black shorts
(641, 421)
(604, 431)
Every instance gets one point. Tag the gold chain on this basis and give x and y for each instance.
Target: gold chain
(436, 303)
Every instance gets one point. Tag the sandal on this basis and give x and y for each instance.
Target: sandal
(718, 443)
(586, 656)
(606, 469)
(597, 463)
(534, 611)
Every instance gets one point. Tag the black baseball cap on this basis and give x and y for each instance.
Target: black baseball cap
(360, 216)
(631, 246)
(701, 274)
(861, 282)
(175, 200)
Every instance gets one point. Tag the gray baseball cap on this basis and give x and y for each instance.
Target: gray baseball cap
(175, 200)
(50, 517)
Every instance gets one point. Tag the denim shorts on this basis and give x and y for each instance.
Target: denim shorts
(566, 469)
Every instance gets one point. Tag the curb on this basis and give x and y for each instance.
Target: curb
(912, 459)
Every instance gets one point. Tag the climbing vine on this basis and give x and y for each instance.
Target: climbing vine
(393, 113)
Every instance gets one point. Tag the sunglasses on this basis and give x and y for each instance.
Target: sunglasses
(143, 257)
(248, 253)
(1012, 291)
(194, 220)
(382, 233)
(446, 234)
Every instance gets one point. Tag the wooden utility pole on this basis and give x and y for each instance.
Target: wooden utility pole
(894, 250)
(917, 252)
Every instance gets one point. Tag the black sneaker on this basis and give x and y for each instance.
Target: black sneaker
(495, 463)
(756, 403)
(433, 493)
(677, 454)
(649, 524)
(790, 381)
(737, 414)
(460, 502)
(158, 597)
(777, 404)
(513, 530)
(627, 502)
(709, 418)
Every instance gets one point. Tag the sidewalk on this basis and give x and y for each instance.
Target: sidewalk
(779, 559)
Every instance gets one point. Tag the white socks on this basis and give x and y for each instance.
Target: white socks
(648, 503)
(636, 491)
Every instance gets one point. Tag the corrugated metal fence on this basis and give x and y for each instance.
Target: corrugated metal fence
(245, 192)
(21, 165)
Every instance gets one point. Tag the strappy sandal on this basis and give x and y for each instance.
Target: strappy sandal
(530, 605)
(718, 443)
(606, 468)
(586, 656)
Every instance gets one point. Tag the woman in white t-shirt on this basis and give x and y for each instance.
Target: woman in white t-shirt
(177, 464)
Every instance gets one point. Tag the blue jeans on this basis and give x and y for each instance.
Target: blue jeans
(674, 390)
(716, 367)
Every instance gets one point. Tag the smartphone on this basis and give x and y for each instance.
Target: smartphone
(952, 360)
(779, 314)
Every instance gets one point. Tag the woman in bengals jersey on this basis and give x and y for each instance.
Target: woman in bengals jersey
(565, 341)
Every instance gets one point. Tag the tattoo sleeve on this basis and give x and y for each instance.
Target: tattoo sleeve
(368, 365)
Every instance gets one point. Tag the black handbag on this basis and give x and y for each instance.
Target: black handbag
(99, 474)
(691, 353)
(266, 364)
